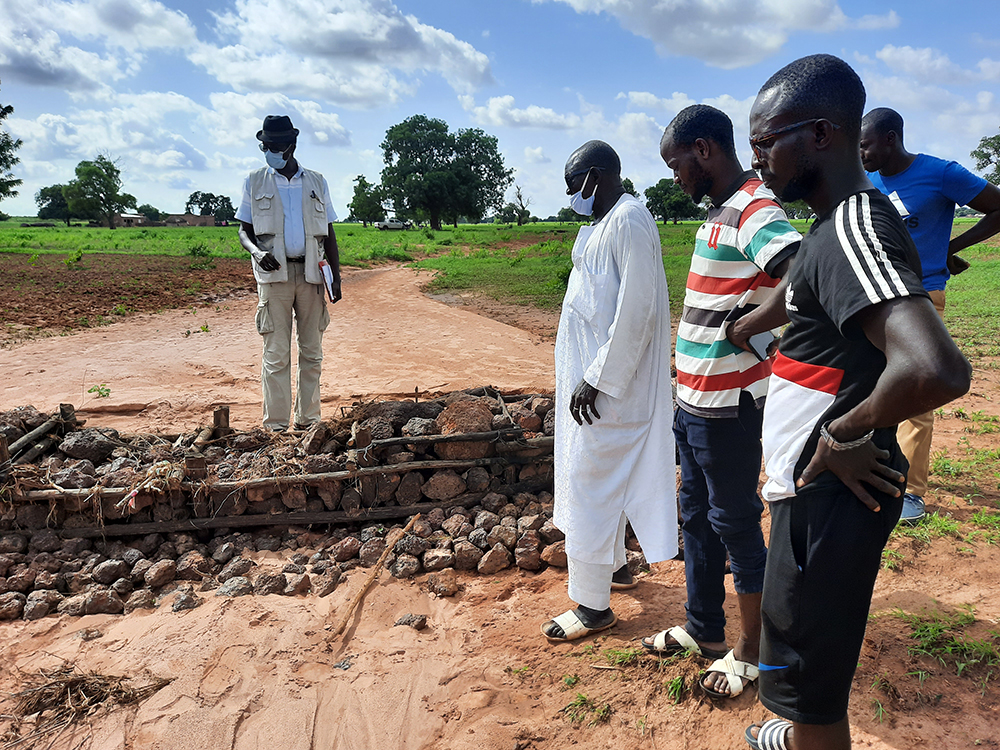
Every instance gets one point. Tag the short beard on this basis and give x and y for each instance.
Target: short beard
(702, 183)
(802, 184)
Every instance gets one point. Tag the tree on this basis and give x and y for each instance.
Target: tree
(629, 187)
(52, 203)
(432, 172)
(210, 204)
(987, 156)
(521, 206)
(366, 206)
(97, 190)
(797, 209)
(153, 214)
(8, 159)
(568, 214)
(666, 201)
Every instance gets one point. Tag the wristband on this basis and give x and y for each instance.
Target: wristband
(824, 432)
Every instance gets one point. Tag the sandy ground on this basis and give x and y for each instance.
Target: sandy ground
(258, 673)
(169, 370)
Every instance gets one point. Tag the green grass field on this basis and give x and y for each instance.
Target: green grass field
(523, 265)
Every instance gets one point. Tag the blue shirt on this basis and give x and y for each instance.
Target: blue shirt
(925, 194)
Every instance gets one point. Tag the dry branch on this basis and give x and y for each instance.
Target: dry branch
(390, 543)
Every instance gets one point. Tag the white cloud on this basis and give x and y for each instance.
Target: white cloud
(235, 119)
(536, 155)
(727, 33)
(500, 111)
(83, 46)
(358, 53)
(925, 64)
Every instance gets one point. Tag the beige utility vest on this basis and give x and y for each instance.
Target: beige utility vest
(269, 223)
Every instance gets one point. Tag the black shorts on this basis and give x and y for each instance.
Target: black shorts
(824, 554)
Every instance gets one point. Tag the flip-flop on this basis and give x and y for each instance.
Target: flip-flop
(573, 627)
(682, 641)
(624, 585)
(771, 735)
(735, 671)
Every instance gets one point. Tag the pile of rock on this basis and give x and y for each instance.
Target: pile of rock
(42, 574)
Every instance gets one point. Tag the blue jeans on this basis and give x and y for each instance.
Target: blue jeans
(720, 511)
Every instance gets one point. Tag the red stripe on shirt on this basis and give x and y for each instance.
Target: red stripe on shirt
(715, 285)
(754, 207)
(725, 381)
(813, 377)
(751, 185)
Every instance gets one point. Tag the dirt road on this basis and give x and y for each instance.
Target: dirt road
(169, 370)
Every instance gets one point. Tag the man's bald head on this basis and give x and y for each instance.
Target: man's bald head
(882, 121)
(818, 86)
(593, 155)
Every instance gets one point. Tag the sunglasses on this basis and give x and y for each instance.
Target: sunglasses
(275, 148)
(762, 143)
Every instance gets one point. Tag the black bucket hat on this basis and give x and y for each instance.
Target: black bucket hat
(277, 129)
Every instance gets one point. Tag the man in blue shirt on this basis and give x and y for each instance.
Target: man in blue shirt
(925, 191)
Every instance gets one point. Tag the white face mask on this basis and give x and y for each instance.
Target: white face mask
(583, 206)
(275, 161)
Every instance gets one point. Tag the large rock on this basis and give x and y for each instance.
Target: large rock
(186, 599)
(406, 566)
(443, 485)
(472, 415)
(138, 574)
(550, 533)
(345, 549)
(493, 502)
(486, 520)
(555, 554)
(110, 571)
(438, 559)
(479, 537)
(411, 545)
(89, 444)
(34, 516)
(12, 543)
(504, 535)
(41, 603)
(371, 551)
(235, 586)
(443, 582)
(408, 491)
(160, 573)
(141, 599)
(326, 583)
(453, 525)
(269, 583)
(102, 602)
(22, 582)
(11, 605)
(226, 552)
(238, 566)
(526, 419)
(497, 559)
(420, 427)
(193, 566)
(298, 585)
(46, 540)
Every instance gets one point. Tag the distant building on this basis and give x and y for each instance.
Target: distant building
(129, 220)
(189, 220)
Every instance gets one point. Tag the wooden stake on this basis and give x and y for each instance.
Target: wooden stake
(389, 545)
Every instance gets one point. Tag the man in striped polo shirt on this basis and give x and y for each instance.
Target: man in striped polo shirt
(741, 254)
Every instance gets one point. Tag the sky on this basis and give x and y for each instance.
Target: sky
(176, 90)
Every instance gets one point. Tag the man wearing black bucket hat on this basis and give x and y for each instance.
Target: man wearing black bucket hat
(286, 224)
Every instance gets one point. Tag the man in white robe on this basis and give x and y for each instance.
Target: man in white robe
(614, 451)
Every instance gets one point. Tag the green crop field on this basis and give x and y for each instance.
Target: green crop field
(524, 265)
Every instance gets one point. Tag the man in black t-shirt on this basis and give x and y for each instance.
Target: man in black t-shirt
(864, 350)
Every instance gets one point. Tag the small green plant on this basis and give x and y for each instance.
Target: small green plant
(100, 391)
(73, 258)
(204, 328)
(570, 680)
(199, 251)
(640, 726)
(602, 715)
(623, 657)
(119, 309)
(920, 674)
(879, 710)
(676, 688)
(33, 259)
(519, 672)
(892, 559)
(578, 709)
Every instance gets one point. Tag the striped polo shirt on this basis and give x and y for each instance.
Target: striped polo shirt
(744, 238)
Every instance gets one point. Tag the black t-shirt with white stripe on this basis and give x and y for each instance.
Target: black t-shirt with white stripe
(857, 256)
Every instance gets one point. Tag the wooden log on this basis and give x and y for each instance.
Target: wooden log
(457, 437)
(203, 439)
(276, 483)
(36, 450)
(220, 422)
(390, 543)
(4, 457)
(195, 467)
(27, 440)
(250, 521)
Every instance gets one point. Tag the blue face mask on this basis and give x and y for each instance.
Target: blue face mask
(581, 205)
(275, 161)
